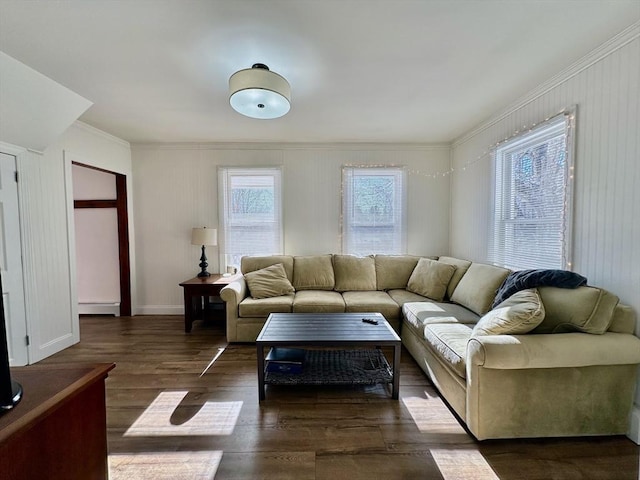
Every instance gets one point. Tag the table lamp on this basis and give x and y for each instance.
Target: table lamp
(204, 236)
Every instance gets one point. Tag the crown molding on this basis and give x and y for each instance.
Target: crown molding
(625, 37)
(293, 146)
(101, 133)
(11, 149)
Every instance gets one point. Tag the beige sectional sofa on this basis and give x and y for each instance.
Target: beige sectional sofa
(547, 362)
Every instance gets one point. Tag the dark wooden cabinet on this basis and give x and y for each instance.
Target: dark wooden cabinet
(58, 430)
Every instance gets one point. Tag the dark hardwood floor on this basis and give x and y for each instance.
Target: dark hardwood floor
(167, 419)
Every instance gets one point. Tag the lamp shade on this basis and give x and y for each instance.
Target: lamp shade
(257, 92)
(204, 236)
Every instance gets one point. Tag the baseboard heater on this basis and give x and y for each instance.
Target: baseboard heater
(99, 309)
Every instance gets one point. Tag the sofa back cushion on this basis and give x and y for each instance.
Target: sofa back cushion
(430, 279)
(354, 273)
(393, 271)
(583, 309)
(461, 268)
(519, 314)
(314, 272)
(624, 319)
(477, 288)
(251, 264)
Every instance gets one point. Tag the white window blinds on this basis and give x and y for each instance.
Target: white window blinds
(251, 213)
(532, 198)
(373, 210)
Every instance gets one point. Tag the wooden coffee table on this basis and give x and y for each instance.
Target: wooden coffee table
(364, 364)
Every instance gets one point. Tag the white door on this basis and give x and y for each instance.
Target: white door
(11, 263)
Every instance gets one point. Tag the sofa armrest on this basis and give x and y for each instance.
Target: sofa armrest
(233, 294)
(552, 350)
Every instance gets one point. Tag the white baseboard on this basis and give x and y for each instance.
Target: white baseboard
(99, 309)
(634, 427)
(160, 310)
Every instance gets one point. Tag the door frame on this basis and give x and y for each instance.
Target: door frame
(120, 204)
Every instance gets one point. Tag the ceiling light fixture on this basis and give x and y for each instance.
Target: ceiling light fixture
(257, 92)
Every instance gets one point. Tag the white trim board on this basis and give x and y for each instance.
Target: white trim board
(99, 309)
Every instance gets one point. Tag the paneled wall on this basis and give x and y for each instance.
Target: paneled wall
(175, 189)
(605, 87)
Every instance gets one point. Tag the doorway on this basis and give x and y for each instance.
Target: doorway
(102, 240)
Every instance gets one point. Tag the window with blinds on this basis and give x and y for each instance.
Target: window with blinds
(532, 198)
(251, 213)
(373, 210)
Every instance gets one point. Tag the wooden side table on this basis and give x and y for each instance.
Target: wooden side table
(196, 295)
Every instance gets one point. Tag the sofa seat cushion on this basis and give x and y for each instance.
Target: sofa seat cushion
(262, 307)
(423, 313)
(393, 271)
(373, 301)
(354, 273)
(478, 287)
(448, 342)
(314, 272)
(401, 296)
(318, 301)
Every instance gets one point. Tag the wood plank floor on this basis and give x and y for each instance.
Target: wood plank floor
(167, 420)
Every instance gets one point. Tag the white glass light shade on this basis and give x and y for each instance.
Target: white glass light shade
(259, 93)
(204, 236)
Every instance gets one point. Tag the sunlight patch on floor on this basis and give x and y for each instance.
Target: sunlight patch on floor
(165, 465)
(431, 415)
(213, 418)
(460, 463)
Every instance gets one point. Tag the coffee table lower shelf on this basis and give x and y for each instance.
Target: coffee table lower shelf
(337, 367)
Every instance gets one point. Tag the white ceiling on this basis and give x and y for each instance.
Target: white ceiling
(402, 71)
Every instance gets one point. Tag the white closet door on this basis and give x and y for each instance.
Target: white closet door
(11, 263)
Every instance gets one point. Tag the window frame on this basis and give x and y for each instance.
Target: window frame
(399, 223)
(227, 221)
(503, 199)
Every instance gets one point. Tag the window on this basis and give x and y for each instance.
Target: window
(532, 198)
(373, 211)
(251, 213)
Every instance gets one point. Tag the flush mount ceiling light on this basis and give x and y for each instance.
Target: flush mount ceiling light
(257, 92)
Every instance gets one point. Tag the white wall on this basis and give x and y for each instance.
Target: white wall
(605, 86)
(96, 235)
(176, 189)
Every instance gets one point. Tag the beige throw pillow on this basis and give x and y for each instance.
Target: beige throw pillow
(269, 282)
(430, 279)
(519, 314)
